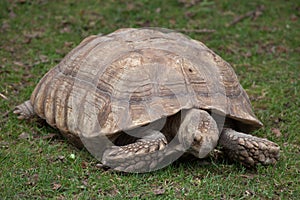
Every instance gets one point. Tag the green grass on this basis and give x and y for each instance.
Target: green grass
(35, 35)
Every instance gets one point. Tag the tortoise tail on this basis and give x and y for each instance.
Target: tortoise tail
(24, 110)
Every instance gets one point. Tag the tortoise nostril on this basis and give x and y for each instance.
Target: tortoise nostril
(195, 142)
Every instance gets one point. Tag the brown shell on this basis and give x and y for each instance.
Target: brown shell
(132, 77)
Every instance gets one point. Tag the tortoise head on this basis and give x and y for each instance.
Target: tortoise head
(198, 133)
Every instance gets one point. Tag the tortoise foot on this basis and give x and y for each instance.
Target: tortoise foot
(247, 149)
(140, 156)
(24, 110)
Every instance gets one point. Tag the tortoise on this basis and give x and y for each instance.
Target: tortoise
(139, 98)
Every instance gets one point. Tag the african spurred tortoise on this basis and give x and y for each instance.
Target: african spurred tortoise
(139, 98)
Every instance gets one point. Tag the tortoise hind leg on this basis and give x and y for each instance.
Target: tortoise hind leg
(247, 149)
(146, 154)
(24, 110)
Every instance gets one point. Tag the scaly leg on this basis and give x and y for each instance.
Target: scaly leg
(24, 110)
(146, 154)
(247, 149)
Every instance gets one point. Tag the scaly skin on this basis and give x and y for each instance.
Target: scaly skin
(247, 149)
(24, 110)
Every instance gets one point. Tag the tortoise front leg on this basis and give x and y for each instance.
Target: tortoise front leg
(247, 149)
(146, 154)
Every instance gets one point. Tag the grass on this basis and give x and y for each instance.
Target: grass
(35, 35)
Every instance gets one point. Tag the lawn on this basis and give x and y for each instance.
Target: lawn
(259, 38)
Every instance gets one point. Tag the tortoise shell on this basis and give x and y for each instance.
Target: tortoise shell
(133, 77)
